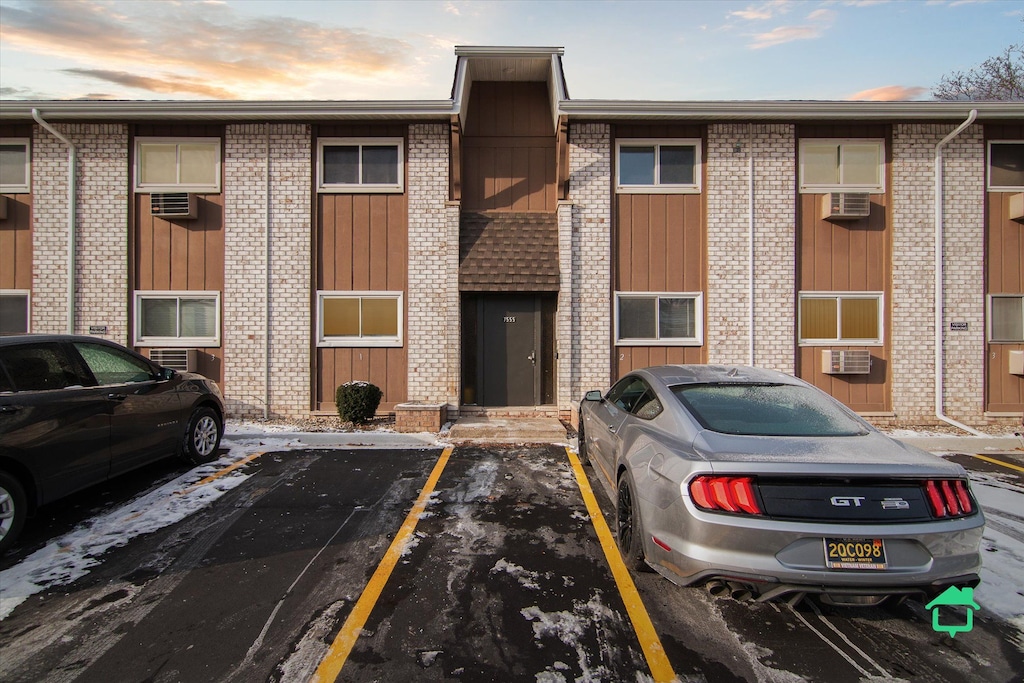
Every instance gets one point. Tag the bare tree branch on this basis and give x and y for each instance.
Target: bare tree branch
(999, 78)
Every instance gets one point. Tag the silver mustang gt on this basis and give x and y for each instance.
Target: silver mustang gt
(761, 486)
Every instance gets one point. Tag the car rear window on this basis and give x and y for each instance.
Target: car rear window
(40, 367)
(766, 410)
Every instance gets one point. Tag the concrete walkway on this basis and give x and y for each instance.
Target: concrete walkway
(965, 444)
(507, 430)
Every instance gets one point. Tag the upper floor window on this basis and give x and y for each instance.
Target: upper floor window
(1006, 166)
(177, 164)
(842, 165)
(658, 319)
(15, 166)
(14, 311)
(840, 318)
(1006, 318)
(177, 318)
(657, 166)
(360, 165)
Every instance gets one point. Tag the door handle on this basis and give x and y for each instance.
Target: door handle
(532, 357)
(9, 409)
(117, 397)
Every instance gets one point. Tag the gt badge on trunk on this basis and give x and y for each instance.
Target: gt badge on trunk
(854, 553)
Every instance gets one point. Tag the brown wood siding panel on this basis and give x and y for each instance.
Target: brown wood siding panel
(16, 229)
(509, 149)
(362, 245)
(1004, 393)
(847, 256)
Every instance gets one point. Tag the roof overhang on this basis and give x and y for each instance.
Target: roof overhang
(220, 110)
(789, 110)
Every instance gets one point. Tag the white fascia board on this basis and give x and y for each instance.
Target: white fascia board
(61, 110)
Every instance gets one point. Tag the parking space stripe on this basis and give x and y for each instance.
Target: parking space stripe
(654, 652)
(999, 462)
(340, 649)
(220, 473)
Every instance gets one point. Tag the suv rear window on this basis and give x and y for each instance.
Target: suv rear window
(40, 367)
(766, 410)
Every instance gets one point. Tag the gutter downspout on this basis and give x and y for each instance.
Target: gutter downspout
(266, 255)
(939, 299)
(753, 291)
(72, 214)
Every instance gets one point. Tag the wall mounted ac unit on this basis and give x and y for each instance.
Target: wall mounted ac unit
(846, 205)
(855, 362)
(182, 360)
(1017, 207)
(173, 204)
(1016, 362)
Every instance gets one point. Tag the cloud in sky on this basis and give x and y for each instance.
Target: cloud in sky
(818, 22)
(889, 93)
(222, 54)
(763, 11)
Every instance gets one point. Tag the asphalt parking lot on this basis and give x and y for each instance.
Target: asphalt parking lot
(429, 564)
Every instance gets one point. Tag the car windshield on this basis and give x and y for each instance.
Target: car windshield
(766, 410)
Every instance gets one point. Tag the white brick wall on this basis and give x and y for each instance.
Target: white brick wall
(432, 336)
(913, 192)
(101, 269)
(590, 165)
(252, 210)
(728, 229)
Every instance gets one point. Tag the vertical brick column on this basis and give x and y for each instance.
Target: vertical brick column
(730, 147)
(590, 167)
(101, 268)
(565, 332)
(432, 330)
(913, 363)
(255, 210)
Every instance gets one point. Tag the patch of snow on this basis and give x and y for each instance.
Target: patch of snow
(570, 628)
(525, 577)
(71, 556)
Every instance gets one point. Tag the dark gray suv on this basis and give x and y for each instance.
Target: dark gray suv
(75, 411)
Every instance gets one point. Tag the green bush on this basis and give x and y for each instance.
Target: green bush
(357, 401)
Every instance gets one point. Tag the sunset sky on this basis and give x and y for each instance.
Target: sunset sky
(348, 50)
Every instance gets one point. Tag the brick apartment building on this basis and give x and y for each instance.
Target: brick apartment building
(510, 247)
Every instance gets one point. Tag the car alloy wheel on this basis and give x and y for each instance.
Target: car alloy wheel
(12, 510)
(628, 528)
(203, 435)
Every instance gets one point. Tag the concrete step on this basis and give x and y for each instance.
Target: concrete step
(476, 429)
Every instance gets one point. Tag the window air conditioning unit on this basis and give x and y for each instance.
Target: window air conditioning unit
(1017, 207)
(172, 204)
(182, 360)
(856, 362)
(1017, 362)
(846, 205)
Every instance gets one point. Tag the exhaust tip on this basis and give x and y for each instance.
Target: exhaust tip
(717, 588)
(740, 592)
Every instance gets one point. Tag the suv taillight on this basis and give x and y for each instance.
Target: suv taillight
(725, 494)
(948, 498)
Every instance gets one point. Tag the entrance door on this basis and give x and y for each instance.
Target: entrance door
(510, 350)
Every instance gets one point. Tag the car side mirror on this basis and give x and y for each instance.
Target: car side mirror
(167, 374)
(593, 396)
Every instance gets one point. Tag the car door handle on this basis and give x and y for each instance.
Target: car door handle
(117, 397)
(9, 409)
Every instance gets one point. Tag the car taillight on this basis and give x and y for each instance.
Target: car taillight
(725, 494)
(948, 497)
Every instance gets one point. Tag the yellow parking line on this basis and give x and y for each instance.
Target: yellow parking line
(220, 473)
(654, 652)
(999, 462)
(339, 651)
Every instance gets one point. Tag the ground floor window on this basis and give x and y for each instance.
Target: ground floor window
(840, 318)
(659, 319)
(359, 318)
(14, 311)
(1006, 318)
(177, 319)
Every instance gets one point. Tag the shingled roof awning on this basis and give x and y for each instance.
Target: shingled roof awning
(508, 252)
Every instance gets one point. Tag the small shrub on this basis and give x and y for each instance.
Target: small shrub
(357, 401)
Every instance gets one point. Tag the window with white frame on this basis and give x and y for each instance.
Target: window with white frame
(840, 318)
(177, 164)
(657, 166)
(359, 318)
(360, 164)
(14, 311)
(842, 165)
(185, 318)
(1006, 318)
(15, 165)
(1006, 165)
(659, 319)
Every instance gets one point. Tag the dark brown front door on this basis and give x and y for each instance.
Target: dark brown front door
(510, 350)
